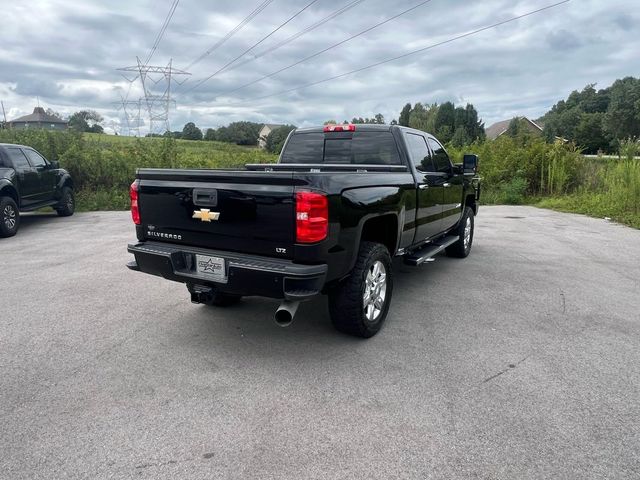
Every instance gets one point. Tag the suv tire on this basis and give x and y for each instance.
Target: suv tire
(67, 204)
(9, 217)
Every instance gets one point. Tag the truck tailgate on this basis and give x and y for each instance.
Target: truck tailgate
(243, 211)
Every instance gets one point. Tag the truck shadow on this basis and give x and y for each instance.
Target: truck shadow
(36, 219)
(248, 328)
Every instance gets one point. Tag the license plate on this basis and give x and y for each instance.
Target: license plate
(212, 267)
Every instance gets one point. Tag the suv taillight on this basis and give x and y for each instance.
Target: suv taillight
(312, 217)
(135, 211)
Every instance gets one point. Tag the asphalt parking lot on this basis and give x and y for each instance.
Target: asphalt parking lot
(522, 361)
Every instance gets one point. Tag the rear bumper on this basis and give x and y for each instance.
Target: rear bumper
(246, 274)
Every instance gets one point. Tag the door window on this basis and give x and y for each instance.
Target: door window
(35, 159)
(419, 152)
(440, 157)
(17, 158)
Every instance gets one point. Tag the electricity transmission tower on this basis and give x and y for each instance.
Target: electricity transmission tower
(131, 110)
(156, 87)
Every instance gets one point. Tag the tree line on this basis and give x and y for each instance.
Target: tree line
(450, 124)
(597, 120)
(604, 120)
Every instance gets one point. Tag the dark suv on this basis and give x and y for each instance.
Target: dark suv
(28, 181)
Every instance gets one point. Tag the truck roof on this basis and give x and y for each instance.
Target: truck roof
(367, 127)
(364, 127)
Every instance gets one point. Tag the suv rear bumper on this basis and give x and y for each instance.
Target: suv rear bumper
(246, 274)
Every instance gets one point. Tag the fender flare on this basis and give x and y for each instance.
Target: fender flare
(7, 186)
(65, 180)
(363, 220)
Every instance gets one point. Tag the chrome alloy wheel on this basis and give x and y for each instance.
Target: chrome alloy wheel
(375, 291)
(467, 234)
(9, 217)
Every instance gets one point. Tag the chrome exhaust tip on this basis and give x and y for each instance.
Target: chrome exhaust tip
(285, 313)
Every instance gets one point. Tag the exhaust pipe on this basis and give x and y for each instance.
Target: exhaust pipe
(285, 313)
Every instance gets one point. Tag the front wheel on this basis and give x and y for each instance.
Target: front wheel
(9, 217)
(67, 204)
(464, 230)
(359, 305)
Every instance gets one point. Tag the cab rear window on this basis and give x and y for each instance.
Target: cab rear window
(373, 148)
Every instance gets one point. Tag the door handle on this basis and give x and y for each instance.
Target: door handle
(423, 186)
(446, 185)
(205, 197)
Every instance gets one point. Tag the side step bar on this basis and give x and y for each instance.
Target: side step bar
(426, 253)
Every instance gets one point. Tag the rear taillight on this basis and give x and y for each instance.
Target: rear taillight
(135, 210)
(312, 217)
(339, 128)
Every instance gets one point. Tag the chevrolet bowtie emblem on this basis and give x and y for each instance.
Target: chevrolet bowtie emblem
(206, 215)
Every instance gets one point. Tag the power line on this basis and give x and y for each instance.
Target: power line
(398, 57)
(154, 47)
(231, 33)
(302, 32)
(167, 20)
(330, 47)
(231, 62)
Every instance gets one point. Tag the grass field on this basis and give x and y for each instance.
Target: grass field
(189, 153)
(110, 192)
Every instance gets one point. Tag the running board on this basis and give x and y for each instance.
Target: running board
(426, 253)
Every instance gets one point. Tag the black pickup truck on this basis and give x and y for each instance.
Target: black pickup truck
(28, 181)
(327, 218)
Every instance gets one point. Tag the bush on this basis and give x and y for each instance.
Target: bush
(629, 148)
(514, 191)
(546, 169)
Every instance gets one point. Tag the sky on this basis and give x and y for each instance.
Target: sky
(65, 55)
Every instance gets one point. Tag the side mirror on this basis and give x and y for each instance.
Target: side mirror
(470, 163)
(55, 164)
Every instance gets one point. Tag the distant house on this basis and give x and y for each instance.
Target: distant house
(38, 119)
(499, 128)
(266, 129)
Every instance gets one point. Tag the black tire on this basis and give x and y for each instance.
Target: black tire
(9, 217)
(462, 248)
(67, 204)
(347, 300)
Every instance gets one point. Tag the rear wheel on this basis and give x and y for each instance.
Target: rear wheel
(359, 305)
(9, 217)
(67, 204)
